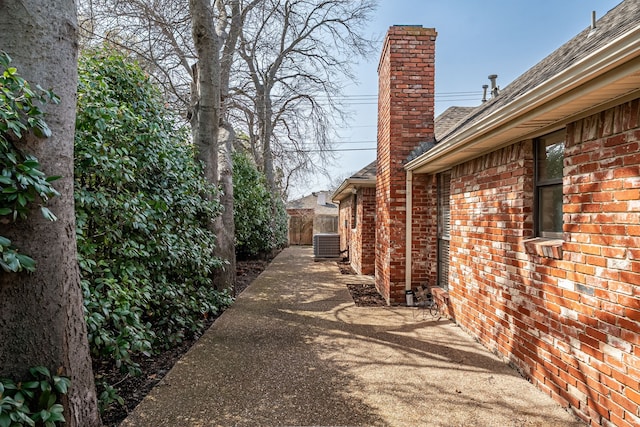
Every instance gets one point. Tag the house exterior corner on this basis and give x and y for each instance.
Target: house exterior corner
(535, 241)
(523, 215)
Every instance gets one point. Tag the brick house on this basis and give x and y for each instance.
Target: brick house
(357, 225)
(524, 215)
(356, 219)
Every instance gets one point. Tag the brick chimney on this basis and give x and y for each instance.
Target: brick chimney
(406, 77)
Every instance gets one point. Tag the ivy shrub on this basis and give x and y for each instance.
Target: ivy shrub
(34, 401)
(260, 217)
(142, 215)
(22, 183)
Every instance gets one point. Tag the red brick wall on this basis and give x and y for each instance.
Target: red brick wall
(367, 230)
(359, 241)
(405, 118)
(424, 269)
(491, 213)
(599, 278)
(571, 325)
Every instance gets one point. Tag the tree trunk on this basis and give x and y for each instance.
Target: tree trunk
(42, 320)
(225, 225)
(205, 124)
(265, 116)
(206, 114)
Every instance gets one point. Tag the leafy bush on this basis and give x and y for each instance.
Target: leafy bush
(22, 183)
(142, 215)
(34, 401)
(258, 229)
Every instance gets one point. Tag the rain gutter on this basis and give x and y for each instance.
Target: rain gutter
(566, 86)
(350, 184)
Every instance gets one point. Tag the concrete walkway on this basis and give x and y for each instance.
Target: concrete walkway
(295, 351)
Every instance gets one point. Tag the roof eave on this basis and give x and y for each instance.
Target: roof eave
(348, 185)
(524, 112)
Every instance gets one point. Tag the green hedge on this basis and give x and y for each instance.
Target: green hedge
(143, 243)
(260, 217)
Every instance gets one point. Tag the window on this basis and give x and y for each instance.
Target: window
(549, 163)
(354, 211)
(444, 228)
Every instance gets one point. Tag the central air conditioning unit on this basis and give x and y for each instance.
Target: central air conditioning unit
(326, 245)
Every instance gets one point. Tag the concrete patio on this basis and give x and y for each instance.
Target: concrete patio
(294, 350)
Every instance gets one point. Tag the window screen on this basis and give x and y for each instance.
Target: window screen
(444, 228)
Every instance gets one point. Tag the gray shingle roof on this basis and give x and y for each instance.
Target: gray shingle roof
(367, 172)
(311, 202)
(445, 121)
(617, 21)
(449, 118)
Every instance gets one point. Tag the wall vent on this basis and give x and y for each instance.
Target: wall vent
(326, 245)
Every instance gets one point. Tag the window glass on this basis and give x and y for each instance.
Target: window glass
(550, 209)
(550, 157)
(354, 211)
(549, 151)
(444, 208)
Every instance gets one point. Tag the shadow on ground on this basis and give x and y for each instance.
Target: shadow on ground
(295, 350)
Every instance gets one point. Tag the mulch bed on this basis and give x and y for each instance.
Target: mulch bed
(366, 295)
(363, 295)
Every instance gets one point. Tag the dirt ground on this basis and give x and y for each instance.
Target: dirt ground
(134, 389)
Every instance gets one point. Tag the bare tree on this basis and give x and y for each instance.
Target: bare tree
(296, 55)
(205, 91)
(229, 25)
(42, 319)
(190, 52)
(157, 33)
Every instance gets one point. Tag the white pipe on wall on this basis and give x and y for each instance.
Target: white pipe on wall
(409, 233)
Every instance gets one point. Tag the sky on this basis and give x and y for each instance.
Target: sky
(475, 38)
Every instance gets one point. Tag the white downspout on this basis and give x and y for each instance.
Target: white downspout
(409, 233)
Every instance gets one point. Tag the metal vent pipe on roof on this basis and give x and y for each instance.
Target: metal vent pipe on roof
(494, 87)
(593, 19)
(484, 92)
